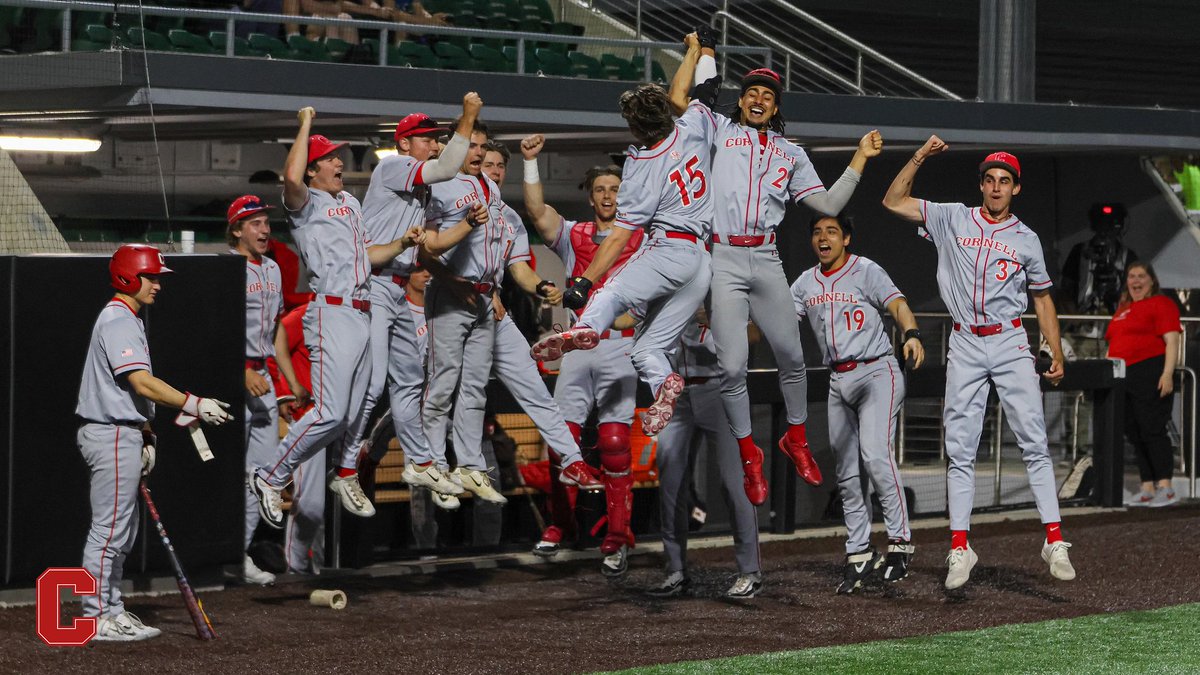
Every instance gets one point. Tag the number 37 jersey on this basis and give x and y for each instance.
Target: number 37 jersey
(845, 309)
(667, 186)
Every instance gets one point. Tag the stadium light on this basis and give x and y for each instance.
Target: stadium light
(380, 153)
(48, 144)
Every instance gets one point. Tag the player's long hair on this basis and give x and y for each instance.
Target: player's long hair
(1154, 288)
(647, 109)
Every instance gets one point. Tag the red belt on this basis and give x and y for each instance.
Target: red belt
(396, 278)
(847, 366)
(256, 364)
(627, 333)
(482, 288)
(745, 239)
(360, 305)
(989, 329)
(672, 234)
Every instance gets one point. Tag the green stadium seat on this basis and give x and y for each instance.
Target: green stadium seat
(412, 54)
(500, 24)
(339, 48)
(551, 62)
(617, 68)
(154, 42)
(510, 55)
(93, 38)
(187, 42)
(586, 66)
(490, 60)
(657, 74)
(241, 46)
(308, 50)
(271, 46)
(372, 47)
(540, 8)
(453, 57)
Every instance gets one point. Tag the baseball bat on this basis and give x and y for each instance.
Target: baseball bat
(204, 627)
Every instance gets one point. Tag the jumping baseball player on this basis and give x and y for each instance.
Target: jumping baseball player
(248, 232)
(604, 377)
(699, 415)
(326, 223)
(116, 403)
(757, 171)
(395, 203)
(665, 190)
(988, 261)
(467, 235)
(844, 297)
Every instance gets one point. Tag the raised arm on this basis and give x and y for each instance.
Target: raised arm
(295, 191)
(448, 164)
(899, 199)
(832, 201)
(682, 83)
(913, 349)
(545, 219)
(1047, 316)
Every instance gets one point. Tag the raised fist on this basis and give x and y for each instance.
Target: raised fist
(306, 114)
(871, 144)
(532, 145)
(471, 104)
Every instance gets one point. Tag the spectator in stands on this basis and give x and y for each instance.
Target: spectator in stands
(1145, 333)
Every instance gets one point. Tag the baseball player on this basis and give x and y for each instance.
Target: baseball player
(604, 377)
(326, 223)
(665, 190)
(467, 236)
(844, 297)
(988, 261)
(248, 231)
(116, 403)
(395, 203)
(700, 415)
(757, 171)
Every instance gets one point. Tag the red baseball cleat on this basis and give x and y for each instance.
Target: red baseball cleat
(552, 348)
(799, 453)
(580, 475)
(660, 412)
(756, 487)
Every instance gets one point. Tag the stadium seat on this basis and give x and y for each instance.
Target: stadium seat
(93, 38)
(187, 42)
(339, 48)
(154, 42)
(582, 64)
(657, 74)
(272, 47)
(412, 54)
(500, 24)
(241, 46)
(490, 60)
(308, 50)
(540, 8)
(453, 57)
(510, 54)
(551, 62)
(617, 68)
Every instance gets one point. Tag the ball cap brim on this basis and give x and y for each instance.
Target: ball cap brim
(418, 124)
(244, 207)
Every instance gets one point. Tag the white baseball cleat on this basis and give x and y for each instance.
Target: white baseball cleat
(745, 586)
(124, 627)
(659, 413)
(146, 631)
(551, 348)
(616, 563)
(477, 482)
(429, 477)
(961, 561)
(251, 574)
(446, 502)
(353, 498)
(1060, 562)
(270, 501)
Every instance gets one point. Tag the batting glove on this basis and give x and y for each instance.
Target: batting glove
(148, 443)
(576, 295)
(208, 410)
(707, 37)
(542, 285)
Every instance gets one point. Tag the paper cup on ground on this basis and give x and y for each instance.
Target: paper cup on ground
(187, 241)
(331, 599)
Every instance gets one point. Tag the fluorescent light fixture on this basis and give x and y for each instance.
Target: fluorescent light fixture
(380, 153)
(48, 144)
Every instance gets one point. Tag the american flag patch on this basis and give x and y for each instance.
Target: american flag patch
(126, 352)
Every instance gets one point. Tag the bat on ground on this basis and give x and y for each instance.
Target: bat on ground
(204, 627)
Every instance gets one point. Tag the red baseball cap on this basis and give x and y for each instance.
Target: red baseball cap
(763, 77)
(1003, 160)
(319, 146)
(244, 207)
(417, 124)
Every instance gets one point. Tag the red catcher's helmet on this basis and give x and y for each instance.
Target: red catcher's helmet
(132, 260)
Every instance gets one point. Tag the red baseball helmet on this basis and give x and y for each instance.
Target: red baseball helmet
(1003, 160)
(244, 207)
(319, 146)
(417, 124)
(131, 261)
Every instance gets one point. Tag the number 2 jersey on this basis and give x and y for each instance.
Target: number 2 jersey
(845, 308)
(666, 186)
(985, 269)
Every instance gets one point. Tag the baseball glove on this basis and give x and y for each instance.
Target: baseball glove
(707, 37)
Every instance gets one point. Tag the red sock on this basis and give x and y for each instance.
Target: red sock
(429, 463)
(343, 472)
(797, 433)
(746, 445)
(958, 539)
(1053, 532)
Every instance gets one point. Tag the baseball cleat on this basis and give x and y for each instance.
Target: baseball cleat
(1163, 496)
(251, 574)
(961, 561)
(550, 544)
(660, 412)
(1060, 562)
(617, 563)
(802, 457)
(579, 474)
(429, 477)
(351, 494)
(753, 482)
(553, 347)
(675, 584)
(745, 586)
(446, 502)
(123, 628)
(146, 631)
(270, 501)
(480, 485)
(895, 566)
(858, 567)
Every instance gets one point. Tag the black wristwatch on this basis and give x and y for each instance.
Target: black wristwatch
(541, 287)
(912, 333)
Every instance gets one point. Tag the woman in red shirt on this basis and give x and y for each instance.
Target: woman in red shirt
(1145, 333)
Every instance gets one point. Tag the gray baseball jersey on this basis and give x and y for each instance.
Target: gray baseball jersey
(985, 271)
(118, 347)
(515, 242)
(396, 201)
(329, 232)
(845, 309)
(480, 256)
(264, 306)
(756, 173)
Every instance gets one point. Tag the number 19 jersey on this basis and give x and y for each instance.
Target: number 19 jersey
(845, 309)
